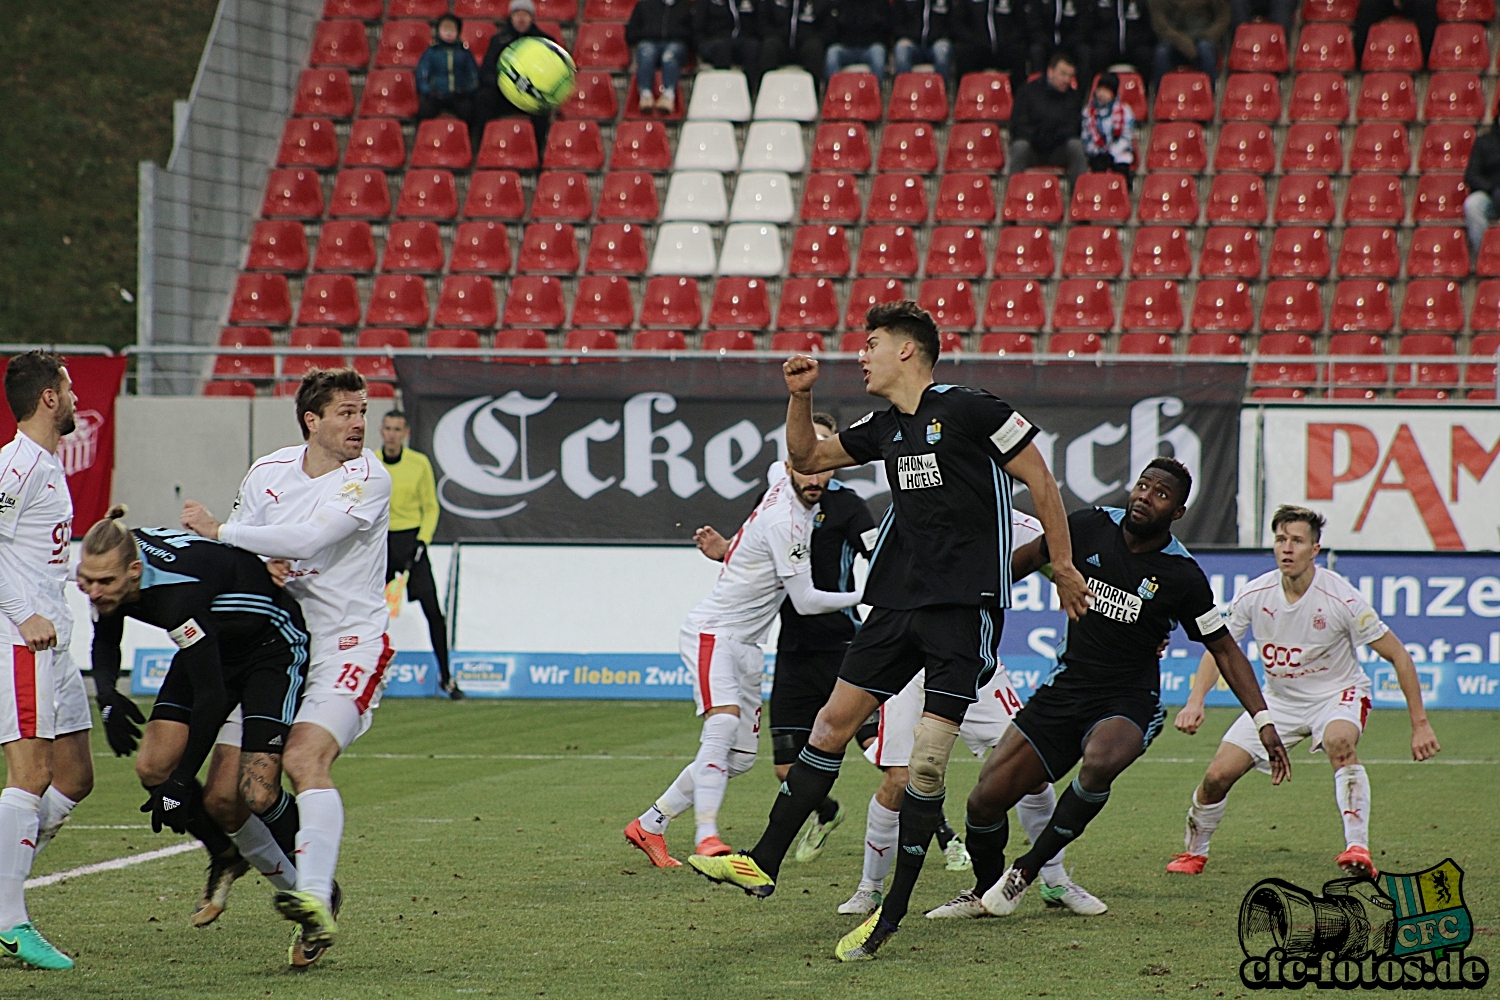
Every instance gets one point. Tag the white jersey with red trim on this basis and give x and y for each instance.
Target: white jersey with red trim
(1308, 647)
(773, 544)
(342, 587)
(36, 524)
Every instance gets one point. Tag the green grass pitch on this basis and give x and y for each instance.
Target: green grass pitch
(471, 868)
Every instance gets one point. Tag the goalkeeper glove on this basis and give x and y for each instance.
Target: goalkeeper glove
(121, 717)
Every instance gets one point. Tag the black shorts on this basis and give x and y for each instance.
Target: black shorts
(804, 680)
(955, 643)
(267, 685)
(1058, 718)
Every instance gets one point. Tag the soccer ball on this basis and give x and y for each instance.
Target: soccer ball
(536, 74)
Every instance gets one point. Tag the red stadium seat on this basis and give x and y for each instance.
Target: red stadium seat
(1132, 92)
(1092, 252)
(534, 301)
(324, 93)
(483, 247)
(1170, 198)
(1312, 148)
(1005, 344)
(1369, 252)
(397, 300)
(261, 298)
(983, 97)
(908, 146)
(427, 194)
(409, 246)
(797, 342)
(820, 250)
(965, 198)
(1380, 146)
(1466, 10)
(1304, 198)
(974, 146)
(725, 341)
(1326, 47)
(1300, 252)
(951, 303)
(548, 248)
(1082, 304)
(551, 28)
(918, 97)
(1252, 97)
(958, 251)
(350, 246)
(476, 37)
(1099, 197)
(888, 250)
(1486, 314)
(629, 195)
(593, 97)
(389, 93)
(1374, 198)
(523, 340)
(1285, 343)
(1178, 146)
(1319, 97)
(574, 145)
(672, 302)
(591, 340)
(467, 300)
(807, 303)
(1215, 344)
(277, 246)
(1222, 306)
(1460, 46)
(1488, 265)
(442, 142)
(1230, 252)
(740, 302)
(616, 248)
(1361, 305)
(1392, 44)
(1032, 196)
(1440, 197)
(425, 9)
(313, 338)
(1239, 199)
(1438, 252)
(308, 142)
(601, 45)
(608, 10)
(464, 340)
(640, 145)
(1184, 96)
(1432, 305)
(341, 44)
(604, 301)
(379, 369)
(831, 198)
(852, 97)
(295, 194)
(1356, 345)
(329, 300)
(494, 194)
(1246, 146)
(1290, 307)
(360, 194)
(1075, 344)
(402, 43)
(1015, 304)
(376, 142)
(510, 144)
(241, 364)
(1330, 10)
(1446, 146)
(562, 194)
(842, 146)
(1386, 97)
(1151, 306)
(659, 340)
(867, 292)
(1160, 252)
(1258, 48)
(898, 198)
(1454, 97)
(1026, 251)
(1483, 345)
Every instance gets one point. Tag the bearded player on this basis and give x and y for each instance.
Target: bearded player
(1307, 622)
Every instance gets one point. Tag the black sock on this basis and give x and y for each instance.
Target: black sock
(1074, 810)
(807, 784)
(945, 834)
(828, 810)
(215, 840)
(986, 846)
(283, 820)
(920, 817)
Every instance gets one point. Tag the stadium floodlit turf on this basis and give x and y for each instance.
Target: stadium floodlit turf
(483, 855)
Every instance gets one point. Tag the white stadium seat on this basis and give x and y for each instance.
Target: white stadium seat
(721, 94)
(788, 94)
(697, 196)
(774, 145)
(762, 196)
(683, 248)
(707, 146)
(751, 249)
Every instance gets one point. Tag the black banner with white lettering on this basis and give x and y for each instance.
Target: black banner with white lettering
(647, 450)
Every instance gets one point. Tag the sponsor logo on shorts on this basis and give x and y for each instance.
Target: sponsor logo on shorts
(918, 472)
(348, 642)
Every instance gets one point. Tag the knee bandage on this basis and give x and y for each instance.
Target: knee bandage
(930, 747)
(740, 761)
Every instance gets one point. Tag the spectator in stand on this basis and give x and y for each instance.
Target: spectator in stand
(1423, 12)
(727, 33)
(1109, 130)
(1189, 32)
(447, 79)
(1123, 35)
(991, 35)
(923, 35)
(792, 34)
(1062, 25)
(661, 31)
(492, 104)
(1482, 177)
(1044, 124)
(860, 32)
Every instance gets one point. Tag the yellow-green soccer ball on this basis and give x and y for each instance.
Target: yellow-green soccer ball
(536, 74)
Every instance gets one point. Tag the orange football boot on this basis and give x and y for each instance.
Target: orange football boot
(1187, 864)
(1356, 860)
(653, 844)
(713, 847)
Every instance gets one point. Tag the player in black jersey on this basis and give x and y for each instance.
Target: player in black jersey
(939, 583)
(240, 641)
(1102, 704)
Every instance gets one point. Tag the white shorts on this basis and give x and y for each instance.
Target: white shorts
(27, 694)
(343, 690)
(70, 700)
(726, 671)
(984, 723)
(1295, 723)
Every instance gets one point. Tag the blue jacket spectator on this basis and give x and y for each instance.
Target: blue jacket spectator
(448, 79)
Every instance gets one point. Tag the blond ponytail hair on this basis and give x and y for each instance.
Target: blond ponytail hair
(112, 535)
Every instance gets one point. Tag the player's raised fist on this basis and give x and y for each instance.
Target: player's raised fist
(801, 372)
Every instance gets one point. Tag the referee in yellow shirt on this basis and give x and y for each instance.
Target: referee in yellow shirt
(414, 518)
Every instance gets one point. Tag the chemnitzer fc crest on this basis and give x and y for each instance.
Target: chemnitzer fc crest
(1403, 932)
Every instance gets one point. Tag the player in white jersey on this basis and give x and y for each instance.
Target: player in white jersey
(768, 560)
(1306, 622)
(44, 712)
(983, 725)
(325, 507)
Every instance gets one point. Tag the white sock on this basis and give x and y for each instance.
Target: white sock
(55, 809)
(1202, 821)
(322, 814)
(19, 810)
(881, 829)
(1036, 812)
(1352, 789)
(258, 846)
(676, 800)
(711, 772)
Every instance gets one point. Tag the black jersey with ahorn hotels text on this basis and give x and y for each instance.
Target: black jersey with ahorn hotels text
(946, 537)
(1139, 598)
(840, 530)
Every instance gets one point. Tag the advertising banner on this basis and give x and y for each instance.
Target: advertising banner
(1386, 478)
(646, 450)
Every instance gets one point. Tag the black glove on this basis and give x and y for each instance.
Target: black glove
(121, 717)
(172, 802)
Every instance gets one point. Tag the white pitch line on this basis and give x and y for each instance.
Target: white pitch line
(114, 864)
(1458, 761)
